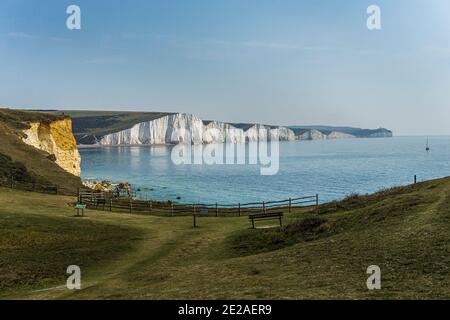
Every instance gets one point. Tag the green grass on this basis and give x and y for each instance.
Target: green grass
(18, 119)
(405, 231)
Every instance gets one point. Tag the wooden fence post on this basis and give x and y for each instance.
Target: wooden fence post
(415, 179)
(317, 203)
(290, 204)
(195, 216)
(171, 209)
(264, 206)
(217, 210)
(239, 209)
(131, 205)
(110, 204)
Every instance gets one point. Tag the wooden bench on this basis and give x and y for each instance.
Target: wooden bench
(78, 207)
(266, 216)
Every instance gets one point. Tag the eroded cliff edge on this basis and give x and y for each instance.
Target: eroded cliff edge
(49, 157)
(56, 138)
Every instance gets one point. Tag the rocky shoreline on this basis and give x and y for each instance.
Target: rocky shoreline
(108, 186)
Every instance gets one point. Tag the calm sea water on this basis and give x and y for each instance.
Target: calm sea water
(333, 169)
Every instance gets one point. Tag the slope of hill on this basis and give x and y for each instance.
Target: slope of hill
(26, 163)
(403, 230)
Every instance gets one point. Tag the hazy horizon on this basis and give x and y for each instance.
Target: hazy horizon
(283, 63)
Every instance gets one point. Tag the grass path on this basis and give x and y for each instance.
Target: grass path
(157, 240)
(123, 256)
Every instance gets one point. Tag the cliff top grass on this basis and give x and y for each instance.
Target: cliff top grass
(30, 162)
(19, 119)
(402, 230)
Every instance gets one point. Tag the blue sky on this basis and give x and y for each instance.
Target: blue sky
(280, 62)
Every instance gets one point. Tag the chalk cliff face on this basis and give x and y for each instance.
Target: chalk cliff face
(381, 134)
(339, 135)
(219, 132)
(187, 128)
(56, 138)
(178, 128)
(312, 135)
(173, 128)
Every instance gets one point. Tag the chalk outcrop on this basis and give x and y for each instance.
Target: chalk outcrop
(187, 128)
(55, 138)
(311, 135)
(181, 127)
(339, 135)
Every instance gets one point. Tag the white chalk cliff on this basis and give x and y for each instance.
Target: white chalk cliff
(339, 135)
(180, 127)
(312, 135)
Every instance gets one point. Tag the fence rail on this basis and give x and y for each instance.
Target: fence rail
(106, 202)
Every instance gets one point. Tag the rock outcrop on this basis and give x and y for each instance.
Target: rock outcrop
(55, 138)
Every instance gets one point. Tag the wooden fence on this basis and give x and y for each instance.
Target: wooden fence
(104, 201)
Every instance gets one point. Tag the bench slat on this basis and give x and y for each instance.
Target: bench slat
(265, 216)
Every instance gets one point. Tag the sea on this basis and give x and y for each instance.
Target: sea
(333, 169)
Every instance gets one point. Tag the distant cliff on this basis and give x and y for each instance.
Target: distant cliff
(169, 130)
(135, 128)
(179, 127)
(348, 131)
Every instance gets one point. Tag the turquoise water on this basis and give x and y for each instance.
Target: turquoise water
(333, 169)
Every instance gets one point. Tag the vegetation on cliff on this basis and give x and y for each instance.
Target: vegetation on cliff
(32, 164)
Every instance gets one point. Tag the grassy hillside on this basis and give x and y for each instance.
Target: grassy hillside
(91, 125)
(25, 163)
(405, 231)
